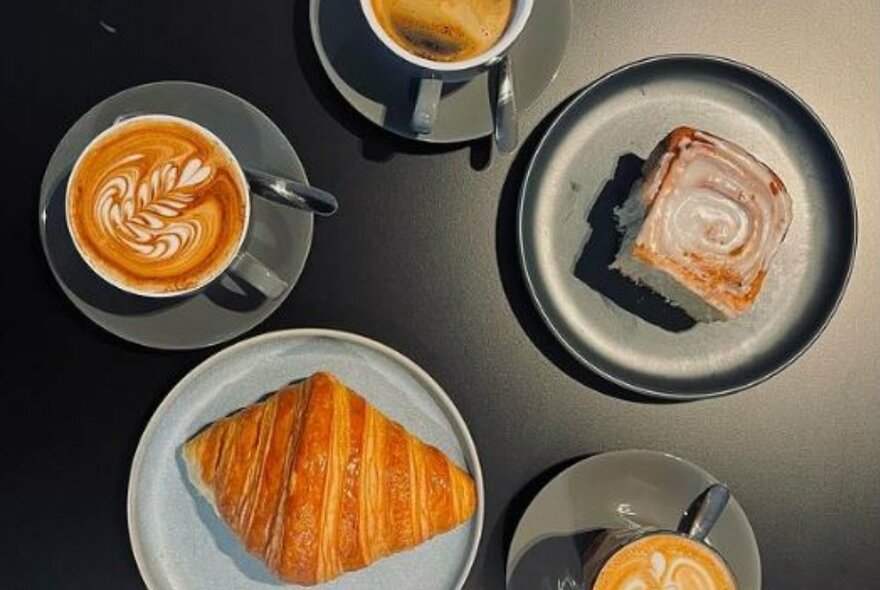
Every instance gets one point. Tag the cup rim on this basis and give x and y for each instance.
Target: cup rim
(108, 277)
(650, 532)
(523, 10)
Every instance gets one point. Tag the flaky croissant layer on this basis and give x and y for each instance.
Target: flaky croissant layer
(315, 481)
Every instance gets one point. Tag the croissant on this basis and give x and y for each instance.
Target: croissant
(316, 482)
(703, 225)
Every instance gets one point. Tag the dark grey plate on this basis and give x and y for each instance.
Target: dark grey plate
(280, 236)
(368, 76)
(584, 167)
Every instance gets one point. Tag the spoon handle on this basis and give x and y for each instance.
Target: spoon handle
(506, 131)
(714, 500)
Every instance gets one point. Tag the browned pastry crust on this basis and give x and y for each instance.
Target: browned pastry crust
(316, 482)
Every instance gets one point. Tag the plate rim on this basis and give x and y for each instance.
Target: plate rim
(572, 102)
(450, 409)
(613, 454)
(81, 307)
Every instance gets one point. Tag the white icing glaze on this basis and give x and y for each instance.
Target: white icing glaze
(715, 210)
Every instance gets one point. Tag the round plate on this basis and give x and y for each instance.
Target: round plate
(280, 236)
(369, 78)
(618, 490)
(584, 167)
(167, 517)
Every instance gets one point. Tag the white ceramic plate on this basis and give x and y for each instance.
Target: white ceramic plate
(178, 541)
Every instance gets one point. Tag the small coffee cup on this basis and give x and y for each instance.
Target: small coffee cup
(630, 555)
(239, 262)
(432, 74)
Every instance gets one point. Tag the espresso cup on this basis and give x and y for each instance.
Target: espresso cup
(431, 74)
(651, 557)
(141, 214)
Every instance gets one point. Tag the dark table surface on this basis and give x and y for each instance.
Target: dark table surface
(422, 257)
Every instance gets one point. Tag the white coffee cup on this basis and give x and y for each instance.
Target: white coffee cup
(240, 263)
(432, 73)
(707, 507)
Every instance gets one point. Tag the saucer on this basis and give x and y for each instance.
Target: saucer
(620, 489)
(168, 517)
(279, 236)
(369, 78)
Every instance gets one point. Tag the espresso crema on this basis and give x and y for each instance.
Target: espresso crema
(444, 30)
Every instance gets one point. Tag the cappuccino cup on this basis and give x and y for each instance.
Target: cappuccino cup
(158, 206)
(450, 41)
(648, 557)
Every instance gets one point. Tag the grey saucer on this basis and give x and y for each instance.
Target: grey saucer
(280, 236)
(365, 72)
(584, 167)
(177, 539)
(619, 489)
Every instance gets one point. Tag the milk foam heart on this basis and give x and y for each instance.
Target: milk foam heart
(157, 205)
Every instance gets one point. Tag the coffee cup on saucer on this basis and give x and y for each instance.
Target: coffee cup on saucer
(650, 557)
(445, 42)
(158, 206)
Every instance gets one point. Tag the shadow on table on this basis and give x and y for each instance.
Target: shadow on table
(363, 51)
(513, 282)
(592, 267)
(554, 563)
(502, 535)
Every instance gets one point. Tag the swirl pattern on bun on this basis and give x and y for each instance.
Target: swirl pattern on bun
(704, 224)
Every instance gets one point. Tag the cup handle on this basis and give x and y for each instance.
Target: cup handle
(291, 192)
(425, 111)
(247, 268)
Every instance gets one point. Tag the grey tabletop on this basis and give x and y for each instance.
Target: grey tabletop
(422, 256)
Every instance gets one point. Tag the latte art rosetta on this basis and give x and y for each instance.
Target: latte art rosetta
(157, 205)
(143, 213)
